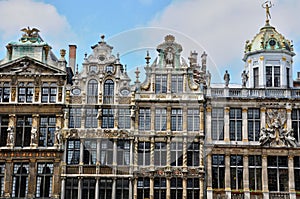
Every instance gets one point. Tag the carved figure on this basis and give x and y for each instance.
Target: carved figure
(33, 135)
(226, 78)
(10, 137)
(169, 56)
(58, 136)
(290, 140)
(244, 78)
(208, 78)
(30, 32)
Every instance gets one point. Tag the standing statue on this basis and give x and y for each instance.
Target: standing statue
(10, 137)
(33, 135)
(58, 136)
(169, 56)
(267, 5)
(226, 78)
(208, 78)
(244, 78)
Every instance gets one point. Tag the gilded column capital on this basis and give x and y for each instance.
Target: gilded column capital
(263, 109)
(208, 109)
(226, 109)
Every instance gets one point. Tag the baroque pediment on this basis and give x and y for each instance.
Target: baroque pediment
(29, 66)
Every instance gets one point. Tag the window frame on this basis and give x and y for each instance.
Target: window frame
(253, 122)
(108, 91)
(161, 83)
(176, 119)
(42, 178)
(73, 151)
(47, 130)
(23, 131)
(92, 91)
(235, 124)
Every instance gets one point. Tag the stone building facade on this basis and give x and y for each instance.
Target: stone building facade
(252, 129)
(94, 134)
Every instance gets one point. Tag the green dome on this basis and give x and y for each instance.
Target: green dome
(268, 39)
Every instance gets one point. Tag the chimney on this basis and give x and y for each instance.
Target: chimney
(72, 57)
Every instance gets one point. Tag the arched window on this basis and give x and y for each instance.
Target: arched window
(44, 180)
(92, 92)
(108, 92)
(20, 180)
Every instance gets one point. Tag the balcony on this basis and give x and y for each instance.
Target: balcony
(253, 93)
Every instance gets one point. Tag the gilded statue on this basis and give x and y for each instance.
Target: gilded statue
(30, 32)
(267, 5)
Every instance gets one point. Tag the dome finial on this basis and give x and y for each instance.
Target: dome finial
(267, 5)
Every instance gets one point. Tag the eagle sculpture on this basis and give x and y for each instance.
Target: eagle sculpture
(30, 32)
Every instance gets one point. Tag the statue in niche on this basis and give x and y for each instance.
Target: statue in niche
(244, 78)
(33, 135)
(58, 136)
(208, 78)
(169, 56)
(10, 137)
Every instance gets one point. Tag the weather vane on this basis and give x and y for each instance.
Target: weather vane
(267, 5)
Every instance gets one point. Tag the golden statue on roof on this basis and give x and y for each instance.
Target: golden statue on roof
(30, 32)
(267, 5)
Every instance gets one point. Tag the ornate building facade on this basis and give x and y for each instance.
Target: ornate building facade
(252, 129)
(94, 134)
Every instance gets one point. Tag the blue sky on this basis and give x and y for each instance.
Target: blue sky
(219, 27)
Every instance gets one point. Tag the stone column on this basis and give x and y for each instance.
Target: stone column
(227, 176)
(130, 187)
(113, 191)
(81, 157)
(209, 179)
(262, 117)
(264, 178)
(56, 178)
(98, 151)
(135, 159)
(226, 124)
(168, 152)
(245, 124)
(62, 189)
(184, 186)
(131, 152)
(289, 118)
(151, 187)
(168, 192)
(152, 147)
(9, 170)
(115, 156)
(169, 109)
(202, 125)
(32, 178)
(246, 176)
(83, 114)
(201, 182)
(291, 177)
(208, 124)
(79, 187)
(152, 125)
(135, 182)
(97, 188)
(184, 118)
(184, 153)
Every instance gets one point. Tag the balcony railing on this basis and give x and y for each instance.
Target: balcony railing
(253, 93)
(280, 195)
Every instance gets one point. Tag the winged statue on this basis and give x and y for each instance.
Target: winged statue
(30, 32)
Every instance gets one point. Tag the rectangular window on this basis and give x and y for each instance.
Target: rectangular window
(273, 76)
(122, 189)
(143, 188)
(91, 120)
(296, 123)
(255, 77)
(49, 93)
(23, 131)
(193, 187)
(144, 119)
(75, 118)
(176, 153)
(253, 124)
(177, 84)
(90, 152)
(160, 119)
(161, 84)
(255, 172)
(124, 118)
(278, 175)
(160, 187)
(176, 188)
(176, 120)
(88, 188)
(71, 188)
(2, 173)
(73, 151)
(5, 92)
(105, 188)
(47, 130)
(123, 152)
(235, 124)
(144, 153)
(25, 94)
(44, 180)
(218, 171)
(106, 152)
(217, 123)
(236, 171)
(193, 154)
(20, 180)
(108, 118)
(297, 173)
(3, 129)
(193, 119)
(160, 154)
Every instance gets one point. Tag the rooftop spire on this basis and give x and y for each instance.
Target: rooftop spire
(267, 5)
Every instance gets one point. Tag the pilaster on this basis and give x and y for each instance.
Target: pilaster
(245, 124)
(226, 124)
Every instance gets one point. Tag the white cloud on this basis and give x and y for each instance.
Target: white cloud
(222, 27)
(17, 14)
